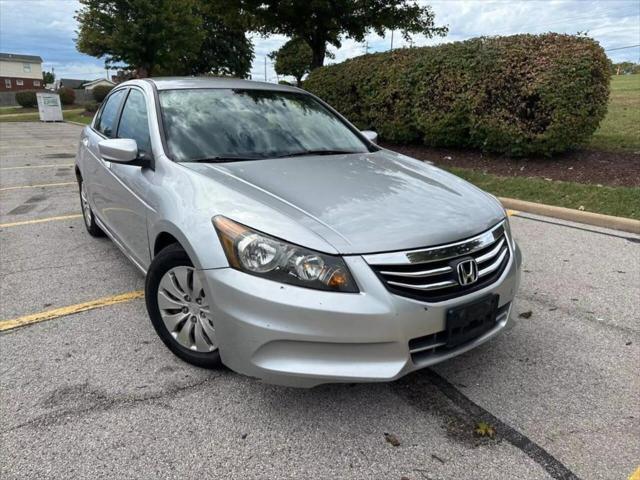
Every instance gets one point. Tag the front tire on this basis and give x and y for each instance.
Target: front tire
(87, 214)
(179, 308)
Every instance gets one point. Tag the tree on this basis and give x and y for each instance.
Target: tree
(225, 50)
(293, 58)
(48, 77)
(323, 22)
(169, 37)
(625, 68)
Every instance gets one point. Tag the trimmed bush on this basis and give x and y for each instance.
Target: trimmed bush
(100, 92)
(67, 96)
(26, 98)
(91, 107)
(518, 95)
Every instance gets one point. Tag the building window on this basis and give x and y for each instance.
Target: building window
(26, 67)
(36, 83)
(19, 83)
(7, 83)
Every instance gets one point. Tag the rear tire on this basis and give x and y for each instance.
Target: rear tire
(179, 308)
(87, 214)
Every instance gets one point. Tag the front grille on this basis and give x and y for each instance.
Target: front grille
(424, 348)
(431, 274)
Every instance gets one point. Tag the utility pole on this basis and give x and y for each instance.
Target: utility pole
(391, 40)
(265, 68)
(366, 47)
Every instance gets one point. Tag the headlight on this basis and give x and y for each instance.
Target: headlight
(259, 254)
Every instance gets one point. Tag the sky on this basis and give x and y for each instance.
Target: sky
(47, 28)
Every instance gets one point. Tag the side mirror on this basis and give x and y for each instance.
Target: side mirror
(119, 150)
(370, 135)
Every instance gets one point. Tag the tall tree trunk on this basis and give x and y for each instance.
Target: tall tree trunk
(319, 49)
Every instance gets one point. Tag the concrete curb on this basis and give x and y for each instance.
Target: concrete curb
(75, 123)
(596, 219)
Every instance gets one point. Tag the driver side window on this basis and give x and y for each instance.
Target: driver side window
(134, 122)
(107, 121)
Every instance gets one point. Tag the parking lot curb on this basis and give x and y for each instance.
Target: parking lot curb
(589, 218)
(76, 123)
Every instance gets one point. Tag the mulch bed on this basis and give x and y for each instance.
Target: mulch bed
(584, 166)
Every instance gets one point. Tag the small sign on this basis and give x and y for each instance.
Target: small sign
(49, 107)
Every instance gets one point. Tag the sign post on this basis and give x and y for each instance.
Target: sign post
(49, 107)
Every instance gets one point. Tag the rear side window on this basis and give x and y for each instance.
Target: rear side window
(108, 118)
(134, 123)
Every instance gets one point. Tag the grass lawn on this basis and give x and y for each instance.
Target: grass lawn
(21, 110)
(67, 114)
(620, 129)
(617, 201)
(77, 117)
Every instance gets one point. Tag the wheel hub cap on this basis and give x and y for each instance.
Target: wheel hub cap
(185, 309)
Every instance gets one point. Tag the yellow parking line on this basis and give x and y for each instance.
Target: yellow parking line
(635, 475)
(51, 165)
(70, 310)
(510, 213)
(37, 186)
(40, 220)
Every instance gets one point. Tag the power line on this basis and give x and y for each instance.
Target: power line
(621, 48)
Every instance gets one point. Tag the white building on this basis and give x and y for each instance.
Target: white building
(20, 72)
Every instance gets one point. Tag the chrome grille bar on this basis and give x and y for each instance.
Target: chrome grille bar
(424, 288)
(494, 266)
(444, 252)
(421, 274)
(490, 254)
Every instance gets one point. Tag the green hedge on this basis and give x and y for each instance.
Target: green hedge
(518, 95)
(67, 96)
(100, 92)
(26, 98)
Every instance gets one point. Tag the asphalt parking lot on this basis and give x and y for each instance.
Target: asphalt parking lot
(93, 393)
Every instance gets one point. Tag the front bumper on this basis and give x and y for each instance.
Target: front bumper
(300, 337)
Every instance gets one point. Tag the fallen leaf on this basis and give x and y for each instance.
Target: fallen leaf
(392, 439)
(483, 429)
(526, 314)
(581, 207)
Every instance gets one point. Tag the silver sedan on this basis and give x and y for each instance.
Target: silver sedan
(279, 240)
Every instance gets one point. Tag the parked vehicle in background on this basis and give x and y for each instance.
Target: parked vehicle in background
(279, 240)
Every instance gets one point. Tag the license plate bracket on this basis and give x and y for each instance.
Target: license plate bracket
(469, 321)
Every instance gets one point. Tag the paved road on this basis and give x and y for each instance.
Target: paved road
(96, 394)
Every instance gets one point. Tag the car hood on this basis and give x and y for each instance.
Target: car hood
(363, 203)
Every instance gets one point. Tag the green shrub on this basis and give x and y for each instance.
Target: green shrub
(91, 107)
(26, 98)
(518, 95)
(67, 95)
(100, 92)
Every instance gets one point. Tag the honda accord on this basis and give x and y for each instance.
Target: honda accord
(282, 242)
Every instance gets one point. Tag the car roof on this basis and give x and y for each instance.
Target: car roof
(174, 83)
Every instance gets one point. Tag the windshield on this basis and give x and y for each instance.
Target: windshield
(232, 124)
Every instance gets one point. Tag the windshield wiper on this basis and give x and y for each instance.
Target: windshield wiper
(222, 158)
(315, 152)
